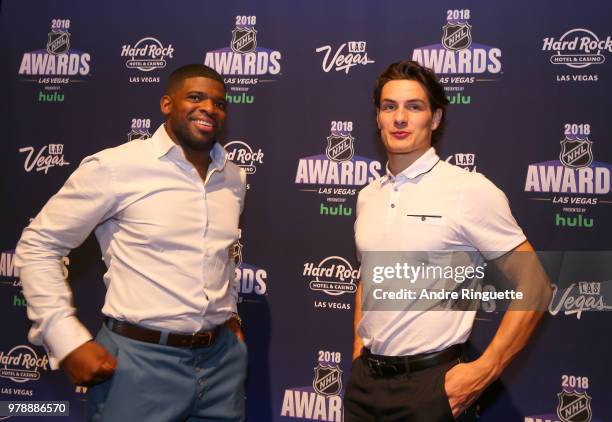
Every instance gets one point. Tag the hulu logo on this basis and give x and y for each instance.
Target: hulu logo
(573, 221)
(50, 98)
(239, 99)
(335, 210)
(459, 99)
(20, 302)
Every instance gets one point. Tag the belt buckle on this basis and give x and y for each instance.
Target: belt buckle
(196, 339)
(381, 368)
(374, 365)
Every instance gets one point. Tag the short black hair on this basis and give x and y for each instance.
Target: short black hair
(177, 77)
(413, 71)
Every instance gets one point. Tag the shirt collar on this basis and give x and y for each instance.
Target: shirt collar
(163, 144)
(219, 156)
(421, 166)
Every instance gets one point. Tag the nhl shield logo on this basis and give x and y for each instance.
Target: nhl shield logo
(327, 380)
(574, 407)
(58, 43)
(244, 40)
(576, 153)
(138, 134)
(339, 147)
(457, 36)
(235, 252)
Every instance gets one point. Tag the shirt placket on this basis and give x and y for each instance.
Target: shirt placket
(209, 264)
(206, 252)
(393, 203)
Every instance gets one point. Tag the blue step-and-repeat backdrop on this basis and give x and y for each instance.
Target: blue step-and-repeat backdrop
(528, 83)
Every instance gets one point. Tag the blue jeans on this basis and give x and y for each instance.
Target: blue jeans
(155, 382)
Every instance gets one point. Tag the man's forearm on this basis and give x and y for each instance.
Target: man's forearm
(522, 267)
(49, 299)
(511, 337)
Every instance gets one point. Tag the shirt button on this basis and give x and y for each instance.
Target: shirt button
(395, 189)
(392, 205)
(423, 218)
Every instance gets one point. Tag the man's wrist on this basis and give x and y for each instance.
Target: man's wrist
(491, 365)
(64, 337)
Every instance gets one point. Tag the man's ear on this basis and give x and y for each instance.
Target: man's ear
(165, 105)
(437, 117)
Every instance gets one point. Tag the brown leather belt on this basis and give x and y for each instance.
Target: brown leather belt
(135, 332)
(386, 366)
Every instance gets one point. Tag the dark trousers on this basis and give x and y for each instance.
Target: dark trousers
(408, 397)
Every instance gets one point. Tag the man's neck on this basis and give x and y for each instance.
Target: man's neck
(200, 159)
(400, 162)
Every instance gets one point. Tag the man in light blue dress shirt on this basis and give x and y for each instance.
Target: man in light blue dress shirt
(165, 211)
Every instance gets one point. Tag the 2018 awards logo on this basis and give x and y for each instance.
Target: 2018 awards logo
(252, 280)
(579, 49)
(8, 272)
(320, 400)
(139, 129)
(575, 181)
(573, 402)
(9, 277)
(457, 59)
(337, 174)
(244, 64)
(57, 65)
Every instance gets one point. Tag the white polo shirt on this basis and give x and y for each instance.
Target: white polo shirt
(430, 206)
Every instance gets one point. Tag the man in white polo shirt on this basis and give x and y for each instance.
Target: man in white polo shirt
(407, 360)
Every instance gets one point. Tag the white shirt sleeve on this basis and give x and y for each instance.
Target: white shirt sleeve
(86, 199)
(486, 220)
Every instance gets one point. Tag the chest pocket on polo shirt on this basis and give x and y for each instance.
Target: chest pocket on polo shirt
(434, 219)
(427, 231)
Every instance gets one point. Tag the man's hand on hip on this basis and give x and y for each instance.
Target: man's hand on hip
(235, 327)
(464, 383)
(89, 364)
